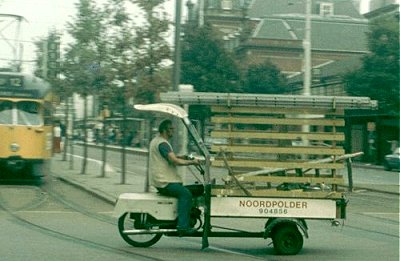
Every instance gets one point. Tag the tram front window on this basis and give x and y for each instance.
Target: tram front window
(28, 113)
(6, 112)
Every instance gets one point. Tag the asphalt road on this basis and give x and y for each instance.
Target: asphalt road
(60, 222)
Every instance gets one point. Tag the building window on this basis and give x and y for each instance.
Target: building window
(212, 4)
(226, 4)
(325, 9)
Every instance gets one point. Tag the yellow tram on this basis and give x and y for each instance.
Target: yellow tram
(25, 125)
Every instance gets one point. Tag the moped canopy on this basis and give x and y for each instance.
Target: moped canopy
(168, 108)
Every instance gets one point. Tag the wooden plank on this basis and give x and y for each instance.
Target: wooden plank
(272, 110)
(325, 136)
(277, 164)
(276, 193)
(279, 179)
(268, 171)
(280, 121)
(310, 150)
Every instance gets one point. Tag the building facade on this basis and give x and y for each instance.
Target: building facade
(271, 30)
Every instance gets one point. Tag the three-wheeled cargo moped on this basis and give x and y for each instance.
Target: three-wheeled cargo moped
(143, 218)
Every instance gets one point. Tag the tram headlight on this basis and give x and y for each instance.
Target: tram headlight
(14, 147)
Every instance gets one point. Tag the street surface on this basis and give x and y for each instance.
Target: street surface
(60, 222)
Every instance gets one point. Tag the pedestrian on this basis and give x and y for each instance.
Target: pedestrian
(163, 174)
(57, 138)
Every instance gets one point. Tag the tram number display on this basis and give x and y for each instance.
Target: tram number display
(7, 81)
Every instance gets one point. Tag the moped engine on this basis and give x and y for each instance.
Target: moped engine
(195, 218)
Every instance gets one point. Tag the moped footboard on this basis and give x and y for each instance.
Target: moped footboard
(158, 206)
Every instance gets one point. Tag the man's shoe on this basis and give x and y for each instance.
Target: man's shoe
(186, 231)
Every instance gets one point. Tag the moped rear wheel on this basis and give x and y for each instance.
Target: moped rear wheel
(287, 240)
(127, 222)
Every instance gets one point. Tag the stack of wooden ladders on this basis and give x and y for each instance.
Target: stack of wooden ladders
(277, 145)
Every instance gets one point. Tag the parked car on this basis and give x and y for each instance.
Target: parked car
(392, 161)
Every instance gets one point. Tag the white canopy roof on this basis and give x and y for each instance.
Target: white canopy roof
(168, 108)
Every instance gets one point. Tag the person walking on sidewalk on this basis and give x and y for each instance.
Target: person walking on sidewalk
(57, 138)
(163, 174)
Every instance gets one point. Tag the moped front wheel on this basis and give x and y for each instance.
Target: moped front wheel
(127, 222)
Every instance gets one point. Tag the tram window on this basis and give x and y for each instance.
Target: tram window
(28, 113)
(6, 112)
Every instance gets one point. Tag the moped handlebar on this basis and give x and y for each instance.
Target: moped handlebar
(198, 167)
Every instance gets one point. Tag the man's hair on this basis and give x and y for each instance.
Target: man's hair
(164, 125)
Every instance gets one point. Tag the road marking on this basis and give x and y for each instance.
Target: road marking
(231, 252)
(379, 213)
(127, 171)
(108, 167)
(46, 211)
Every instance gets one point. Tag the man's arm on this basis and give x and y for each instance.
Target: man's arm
(180, 161)
(167, 152)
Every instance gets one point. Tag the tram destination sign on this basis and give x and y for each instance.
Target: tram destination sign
(13, 86)
(33, 94)
(11, 81)
(273, 207)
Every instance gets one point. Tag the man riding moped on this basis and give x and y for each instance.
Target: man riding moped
(163, 174)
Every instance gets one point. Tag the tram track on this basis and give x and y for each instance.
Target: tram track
(44, 195)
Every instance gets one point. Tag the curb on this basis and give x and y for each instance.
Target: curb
(111, 200)
(376, 190)
(144, 152)
(367, 166)
(94, 192)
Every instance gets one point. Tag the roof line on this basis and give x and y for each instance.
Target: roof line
(290, 30)
(258, 28)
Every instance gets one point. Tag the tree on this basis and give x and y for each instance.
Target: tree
(138, 48)
(85, 55)
(206, 64)
(121, 56)
(152, 51)
(264, 78)
(379, 76)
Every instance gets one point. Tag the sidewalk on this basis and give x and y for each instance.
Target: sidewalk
(109, 188)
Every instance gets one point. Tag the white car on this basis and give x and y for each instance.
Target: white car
(392, 161)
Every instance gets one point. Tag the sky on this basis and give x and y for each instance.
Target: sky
(41, 16)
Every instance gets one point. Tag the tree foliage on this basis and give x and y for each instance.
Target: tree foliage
(206, 64)
(379, 76)
(152, 51)
(264, 78)
(85, 56)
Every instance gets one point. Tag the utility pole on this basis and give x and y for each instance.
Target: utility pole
(307, 50)
(177, 65)
(307, 62)
(12, 23)
(177, 51)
